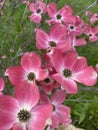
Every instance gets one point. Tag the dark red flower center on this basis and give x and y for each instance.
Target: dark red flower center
(47, 80)
(24, 115)
(71, 27)
(67, 73)
(52, 44)
(90, 35)
(58, 16)
(38, 11)
(31, 76)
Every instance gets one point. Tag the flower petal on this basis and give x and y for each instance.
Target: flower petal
(40, 115)
(41, 39)
(36, 17)
(30, 61)
(69, 85)
(27, 95)
(2, 84)
(58, 97)
(87, 76)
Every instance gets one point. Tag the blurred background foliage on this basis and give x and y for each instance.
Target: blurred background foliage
(17, 36)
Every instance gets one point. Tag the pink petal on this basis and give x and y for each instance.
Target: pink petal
(27, 95)
(66, 10)
(19, 126)
(69, 85)
(32, 7)
(42, 74)
(55, 120)
(95, 30)
(57, 31)
(42, 5)
(70, 59)
(2, 84)
(63, 113)
(80, 64)
(41, 39)
(44, 99)
(15, 75)
(6, 120)
(51, 9)
(58, 97)
(30, 61)
(8, 104)
(36, 17)
(54, 56)
(80, 42)
(40, 115)
(87, 76)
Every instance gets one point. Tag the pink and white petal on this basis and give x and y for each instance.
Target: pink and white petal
(80, 64)
(57, 31)
(56, 58)
(87, 76)
(55, 120)
(35, 18)
(63, 113)
(52, 9)
(70, 59)
(42, 74)
(69, 85)
(41, 39)
(16, 75)
(32, 7)
(27, 95)
(30, 61)
(69, 19)
(80, 42)
(40, 115)
(19, 126)
(2, 84)
(58, 97)
(93, 38)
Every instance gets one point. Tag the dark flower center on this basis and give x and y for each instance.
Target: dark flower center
(90, 35)
(31, 76)
(23, 115)
(47, 80)
(38, 11)
(71, 27)
(67, 73)
(58, 16)
(52, 44)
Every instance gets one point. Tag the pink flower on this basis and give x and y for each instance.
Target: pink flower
(94, 18)
(37, 9)
(49, 84)
(71, 68)
(65, 14)
(75, 28)
(2, 85)
(61, 113)
(53, 39)
(29, 71)
(91, 33)
(23, 112)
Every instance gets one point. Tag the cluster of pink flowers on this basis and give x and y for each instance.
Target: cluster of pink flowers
(41, 83)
